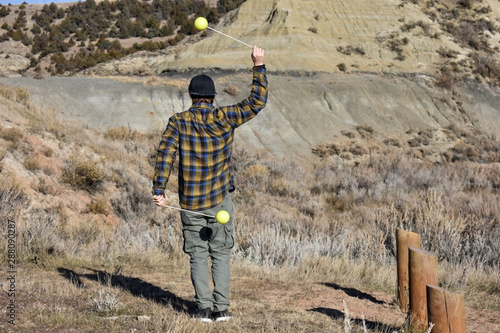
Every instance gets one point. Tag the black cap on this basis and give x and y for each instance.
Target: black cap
(202, 85)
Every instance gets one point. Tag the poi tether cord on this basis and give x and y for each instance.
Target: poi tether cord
(186, 210)
(230, 37)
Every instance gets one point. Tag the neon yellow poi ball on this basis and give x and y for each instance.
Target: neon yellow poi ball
(222, 217)
(200, 23)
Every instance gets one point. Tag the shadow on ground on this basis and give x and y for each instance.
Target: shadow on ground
(371, 325)
(135, 286)
(354, 293)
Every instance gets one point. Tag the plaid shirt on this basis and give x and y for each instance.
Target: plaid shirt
(203, 137)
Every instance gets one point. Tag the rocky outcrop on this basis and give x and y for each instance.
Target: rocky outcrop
(331, 36)
(12, 64)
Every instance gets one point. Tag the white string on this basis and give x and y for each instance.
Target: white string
(230, 37)
(189, 211)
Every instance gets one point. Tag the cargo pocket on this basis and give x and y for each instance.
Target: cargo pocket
(195, 239)
(188, 242)
(229, 241)
(222, 238)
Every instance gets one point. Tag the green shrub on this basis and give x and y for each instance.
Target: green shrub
(17, 35)
(426, 27)
(4, 11)
(36, 29)
(26, 40)
(85, 175)
(466, 3)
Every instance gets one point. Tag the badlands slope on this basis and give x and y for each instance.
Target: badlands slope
(304, 35)
(311, 101)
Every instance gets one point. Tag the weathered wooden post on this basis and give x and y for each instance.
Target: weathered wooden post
(423, 272)
(404, 240)
(446, 310)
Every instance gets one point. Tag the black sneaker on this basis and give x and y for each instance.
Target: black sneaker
(222, 316)
(203, 315)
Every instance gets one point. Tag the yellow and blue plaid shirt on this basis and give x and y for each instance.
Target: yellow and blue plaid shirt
(203, 137)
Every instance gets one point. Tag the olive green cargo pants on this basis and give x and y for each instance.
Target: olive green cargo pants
(204, 237)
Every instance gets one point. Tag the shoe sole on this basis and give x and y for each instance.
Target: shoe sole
(221, 319)
(202, 320)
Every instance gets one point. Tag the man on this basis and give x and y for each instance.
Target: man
(203, 138)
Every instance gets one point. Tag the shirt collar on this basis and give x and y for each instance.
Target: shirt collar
(201, 107)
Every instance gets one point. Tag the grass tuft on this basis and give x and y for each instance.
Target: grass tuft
(83, 174)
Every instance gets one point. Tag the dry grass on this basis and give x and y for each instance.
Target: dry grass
(11, 195)
(32, 163)
(231, 90)
(16, 94)
(152, 80)
(98, 260)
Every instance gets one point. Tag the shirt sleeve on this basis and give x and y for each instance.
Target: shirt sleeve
(166, 153)
(247, 109)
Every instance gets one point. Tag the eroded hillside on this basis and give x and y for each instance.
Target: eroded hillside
(303, 111)
(334, 65)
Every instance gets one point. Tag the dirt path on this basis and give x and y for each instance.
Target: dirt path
(61, 299)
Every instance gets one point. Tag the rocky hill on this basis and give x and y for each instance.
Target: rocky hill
(458, 37)
(390, 36)
(394, 66)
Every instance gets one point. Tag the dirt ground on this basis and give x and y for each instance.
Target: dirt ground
(61, 299)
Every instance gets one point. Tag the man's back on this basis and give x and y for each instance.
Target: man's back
(204, 148)
(203, 136)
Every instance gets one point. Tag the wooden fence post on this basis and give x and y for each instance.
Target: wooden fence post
(446, 310)
(404, 240)
(423, 272)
